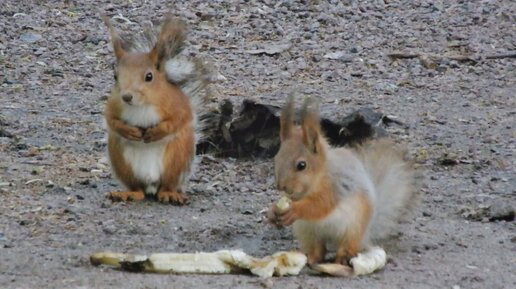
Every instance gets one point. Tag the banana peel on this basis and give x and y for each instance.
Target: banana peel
(333, 269)
(236, 261)
(114, 259)
(282, 263)
(373, 259)
(369, 261)
(219, 262)
(283, 204)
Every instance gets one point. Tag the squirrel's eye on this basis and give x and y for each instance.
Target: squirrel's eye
(148, 77)
(301, 165)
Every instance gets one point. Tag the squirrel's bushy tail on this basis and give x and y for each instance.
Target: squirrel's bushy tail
(395, 183)
(191, 74)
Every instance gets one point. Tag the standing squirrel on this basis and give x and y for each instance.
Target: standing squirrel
(154, 113)
(340, 197)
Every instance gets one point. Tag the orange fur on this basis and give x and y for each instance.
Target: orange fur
(316, 251)
(115, 39)
(172, 197)
(310, 189)
(178, 157)
(127, 196)
(317, 204)
(122, 170)
(112, 114)
(287, 119)
(170, 106)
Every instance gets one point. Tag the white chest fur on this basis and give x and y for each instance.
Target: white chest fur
(145, 159)
(140, 115)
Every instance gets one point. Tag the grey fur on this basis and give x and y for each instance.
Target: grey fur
(395, 183)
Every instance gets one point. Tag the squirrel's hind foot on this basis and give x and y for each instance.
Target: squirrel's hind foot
(126, 196)
(172, 197)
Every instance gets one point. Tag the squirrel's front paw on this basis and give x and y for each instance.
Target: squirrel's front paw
(287, 217)
(272, 217)
(153, 134)
(283, 217)
(132, 133)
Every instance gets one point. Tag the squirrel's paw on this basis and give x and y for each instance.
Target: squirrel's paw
(132, 133)
(272, 217)
(126, 196)
(175, 198)
(153, 134)
(287, 217)
(283, 218)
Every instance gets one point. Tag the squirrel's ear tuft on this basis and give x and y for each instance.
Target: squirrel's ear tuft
(287, 119)
(116, 40)
(311, 125)
(170, 41)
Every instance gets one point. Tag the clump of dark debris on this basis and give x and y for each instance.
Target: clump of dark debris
(253, 131)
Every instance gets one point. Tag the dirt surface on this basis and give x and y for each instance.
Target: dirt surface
(459, 121)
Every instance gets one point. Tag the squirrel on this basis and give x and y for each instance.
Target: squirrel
(340, 197)
(154, 113)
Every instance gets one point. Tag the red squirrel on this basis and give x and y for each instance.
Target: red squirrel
(340, 197)
(153, 113)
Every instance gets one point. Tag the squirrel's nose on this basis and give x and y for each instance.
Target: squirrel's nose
(127, 98)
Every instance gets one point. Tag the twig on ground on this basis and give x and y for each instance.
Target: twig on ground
(460, 58)
(501, 56)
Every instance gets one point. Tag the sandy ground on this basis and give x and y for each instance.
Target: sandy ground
(459, 116)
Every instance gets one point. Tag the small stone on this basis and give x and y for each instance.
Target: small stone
(427, 62)
(441, 68)
(93, 39)
(30, 37)
(454, 64)
(109, 228)
(339, 55)
(446, 161)
(267, 283)
(430, 247)
(24, 222)
(386, 87)
(501, 210)
(245, 211)
(461, 244)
